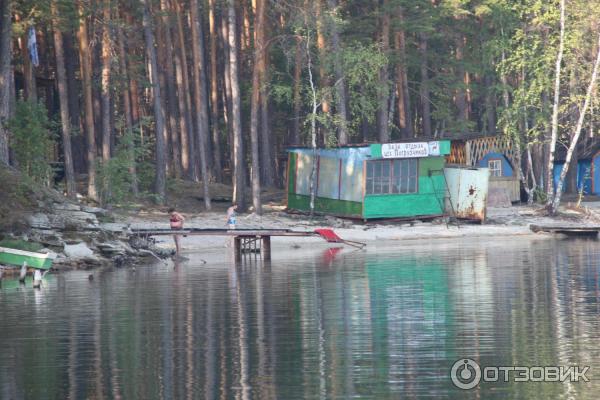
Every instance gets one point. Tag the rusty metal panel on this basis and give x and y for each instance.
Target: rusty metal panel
(467, 192)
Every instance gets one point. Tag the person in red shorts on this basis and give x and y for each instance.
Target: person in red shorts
(176, 220)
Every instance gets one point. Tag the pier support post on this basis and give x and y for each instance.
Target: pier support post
(237, 248)
(23, 273)
(265, 247)
(37, 279)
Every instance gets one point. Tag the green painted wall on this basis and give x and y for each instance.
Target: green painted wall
(291, 172)
(428, 201)
(324, 205)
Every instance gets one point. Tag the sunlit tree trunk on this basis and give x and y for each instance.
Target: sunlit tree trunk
(200, 97)
(159, 113)
(555, 107)
(61, 77)
(236, 117)
(106, 76)
(245, 41)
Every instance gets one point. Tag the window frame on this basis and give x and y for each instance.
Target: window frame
(500, 169)
(391, 176)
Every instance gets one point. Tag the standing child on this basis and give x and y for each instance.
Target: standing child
(231, 216)
(176, 220)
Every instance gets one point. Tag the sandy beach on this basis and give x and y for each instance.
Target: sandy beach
(500, 222)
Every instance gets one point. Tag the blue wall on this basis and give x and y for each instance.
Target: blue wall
(507, 169)
(596, 161)
(583, 169)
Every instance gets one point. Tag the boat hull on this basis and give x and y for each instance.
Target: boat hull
(18, 257)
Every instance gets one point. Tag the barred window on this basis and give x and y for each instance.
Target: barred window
(397, 176)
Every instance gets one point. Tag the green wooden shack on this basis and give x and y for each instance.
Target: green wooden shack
(391, 180)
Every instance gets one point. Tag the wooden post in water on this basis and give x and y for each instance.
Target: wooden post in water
(265, 247)
(37, 279)
(23, 272)
(237, 248)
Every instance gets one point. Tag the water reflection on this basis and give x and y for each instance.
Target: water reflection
(335, 324)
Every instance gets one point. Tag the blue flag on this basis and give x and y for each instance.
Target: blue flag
(32, 46)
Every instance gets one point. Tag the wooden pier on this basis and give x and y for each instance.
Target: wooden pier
(245, 241)
(569, 230)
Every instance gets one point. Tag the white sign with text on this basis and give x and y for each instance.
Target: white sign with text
(410, 150)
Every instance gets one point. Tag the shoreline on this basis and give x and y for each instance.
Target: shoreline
(98, 245)
(502, 222)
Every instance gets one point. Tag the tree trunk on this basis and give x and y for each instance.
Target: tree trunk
(214, 103)
(267, 165)
(159, 113)
(383, 92)
(127, 110)
(85, 65)
(490, 109)
(238, 144)
(171, 89)
(323, 78)
(313, 127)
(297, 99)
(5, 77)
(245, 31)
(424, 89)
(105, 91)
(184, 98)
(340, 85)
(77, 141)
(162, 81)
(267, 145)
(571, 179)
(200, 97)
(255, 105)
(460, 93)
(555, 106)
(227, 99)
(30, 84)
(577, 133)
(61, 77)
(404, 109)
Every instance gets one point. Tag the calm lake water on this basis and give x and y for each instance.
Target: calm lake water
(379, 324)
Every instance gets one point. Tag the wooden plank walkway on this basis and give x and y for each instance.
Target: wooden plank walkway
(569, 230)
(220, 232)
(245, 241)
